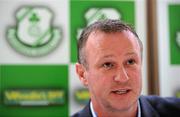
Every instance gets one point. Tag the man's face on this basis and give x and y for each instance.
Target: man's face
(113, 76)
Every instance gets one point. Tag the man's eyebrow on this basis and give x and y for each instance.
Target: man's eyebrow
(108, 56)
(111, 55)
(131, 53)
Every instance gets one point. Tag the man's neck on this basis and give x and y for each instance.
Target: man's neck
(108, 112)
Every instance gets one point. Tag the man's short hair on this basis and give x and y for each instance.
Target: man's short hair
(106, 26)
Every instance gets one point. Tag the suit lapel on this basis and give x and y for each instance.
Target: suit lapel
(86, 112)
(146, 108)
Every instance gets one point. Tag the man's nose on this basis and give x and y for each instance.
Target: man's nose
(121, 76)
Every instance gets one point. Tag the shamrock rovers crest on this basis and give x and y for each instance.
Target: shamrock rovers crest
(34, 34)
(95, 14)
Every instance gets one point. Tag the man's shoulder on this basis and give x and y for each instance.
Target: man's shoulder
(85, 112)
(163, 106)
(78, 114)
(157, 100)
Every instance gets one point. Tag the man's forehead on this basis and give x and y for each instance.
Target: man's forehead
(120, 37)
(102, 41)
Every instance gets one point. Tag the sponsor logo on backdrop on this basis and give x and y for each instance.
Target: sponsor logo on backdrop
(95, 14)
(34, 34)
(178, 38)
(177, 93)
(34, 97)
(82, 96)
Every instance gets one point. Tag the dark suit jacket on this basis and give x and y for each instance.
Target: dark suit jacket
(151, 106)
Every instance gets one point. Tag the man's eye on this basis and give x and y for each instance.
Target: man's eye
(130, 62)
(108, 65)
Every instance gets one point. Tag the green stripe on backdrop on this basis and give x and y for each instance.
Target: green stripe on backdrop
(174, 27)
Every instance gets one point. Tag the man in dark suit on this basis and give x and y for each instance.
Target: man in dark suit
(109, 65)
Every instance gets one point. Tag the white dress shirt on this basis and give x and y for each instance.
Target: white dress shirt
(95, 115)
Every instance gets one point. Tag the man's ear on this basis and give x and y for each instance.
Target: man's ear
(80, 71)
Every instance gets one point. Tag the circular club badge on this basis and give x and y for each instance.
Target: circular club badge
(34, 34)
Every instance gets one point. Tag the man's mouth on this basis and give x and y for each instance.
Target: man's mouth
(121, 91)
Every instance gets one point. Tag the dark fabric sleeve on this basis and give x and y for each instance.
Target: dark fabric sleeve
(160, 107)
